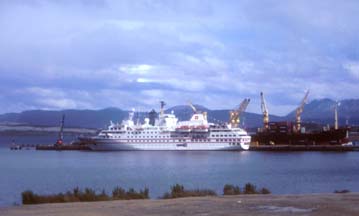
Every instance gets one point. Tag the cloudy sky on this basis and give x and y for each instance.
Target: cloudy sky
(67, 54)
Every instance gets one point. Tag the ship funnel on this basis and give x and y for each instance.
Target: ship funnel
(152, 117)
(162, 106)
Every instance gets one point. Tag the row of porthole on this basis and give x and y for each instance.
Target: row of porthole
(225, 140)
(137, 137)
(221, 135)
(152, 132)
(155, 141)
(200, 140)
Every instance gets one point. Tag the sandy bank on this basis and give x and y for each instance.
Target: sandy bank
(314, 204)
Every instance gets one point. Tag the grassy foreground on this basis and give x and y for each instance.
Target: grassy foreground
(118, 193)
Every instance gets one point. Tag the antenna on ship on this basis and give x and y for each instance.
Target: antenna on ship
(138, 116)
(131, 114)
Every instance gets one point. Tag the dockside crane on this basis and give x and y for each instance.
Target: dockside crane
(299, 111)
(60, 140)
(234, 115)
(337, 104)
(265, 112)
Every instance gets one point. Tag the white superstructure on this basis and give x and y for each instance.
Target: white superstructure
(169, 134)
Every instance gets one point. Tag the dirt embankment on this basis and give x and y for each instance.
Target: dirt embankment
(311, 204)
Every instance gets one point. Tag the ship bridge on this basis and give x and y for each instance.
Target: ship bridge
(198, 119)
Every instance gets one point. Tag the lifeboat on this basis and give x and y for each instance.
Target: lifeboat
(183, 128)
(200, 128)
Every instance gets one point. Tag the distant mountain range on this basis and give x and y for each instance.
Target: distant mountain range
(317, 111)
(322, 111)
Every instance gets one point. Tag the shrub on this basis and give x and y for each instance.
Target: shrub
(146, 193)
(178, 191)
(103, 196)
(342, 191)
(229, 189)
(264, 191)
(166, 196)
(201, 192)
(118, 193)
(88, 195)
(142, 194)
(250, 189)
(28, 197)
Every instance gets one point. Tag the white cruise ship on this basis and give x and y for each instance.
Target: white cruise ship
(167, 133)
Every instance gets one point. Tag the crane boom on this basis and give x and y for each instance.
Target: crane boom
(193, 107)
(299, 111)
(243, 105)
(337, 104)
(235, 114)
(265, 112)
(196, 111)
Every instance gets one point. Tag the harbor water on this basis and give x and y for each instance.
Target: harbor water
(48, 172)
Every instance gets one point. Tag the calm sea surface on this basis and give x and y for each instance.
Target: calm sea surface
(59, 171)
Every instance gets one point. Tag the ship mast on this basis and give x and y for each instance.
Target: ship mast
(234, 114)
(265, 112)
(299, 111)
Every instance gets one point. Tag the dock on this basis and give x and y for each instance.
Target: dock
(82, 147)
(337, 148)
(62, 147)
(22, 146)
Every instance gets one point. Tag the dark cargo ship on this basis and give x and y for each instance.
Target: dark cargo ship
(282, 133)
(288, 133)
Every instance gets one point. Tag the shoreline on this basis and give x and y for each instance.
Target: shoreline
(307, 204)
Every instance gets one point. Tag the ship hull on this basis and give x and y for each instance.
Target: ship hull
(330, 137)
(116, 145)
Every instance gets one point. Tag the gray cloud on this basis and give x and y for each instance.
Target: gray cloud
(94, 54)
